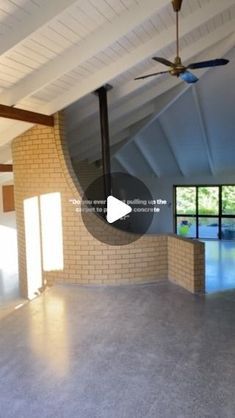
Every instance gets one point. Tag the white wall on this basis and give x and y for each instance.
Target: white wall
(163, 189)
(8, 218)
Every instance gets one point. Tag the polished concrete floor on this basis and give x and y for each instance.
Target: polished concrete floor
(126, 352)
(220, 265)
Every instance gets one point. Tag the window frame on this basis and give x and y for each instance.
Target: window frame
(220, 215)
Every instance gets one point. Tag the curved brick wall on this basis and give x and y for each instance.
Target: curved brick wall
(42, 165)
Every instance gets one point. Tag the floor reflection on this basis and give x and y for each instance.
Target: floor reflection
(220, 265)
(48, 334)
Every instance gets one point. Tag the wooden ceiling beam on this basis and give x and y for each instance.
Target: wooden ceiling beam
(6, 168)
(25, 116)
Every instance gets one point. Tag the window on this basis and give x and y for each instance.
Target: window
(228, 212)
(205, 211)
(228, 200)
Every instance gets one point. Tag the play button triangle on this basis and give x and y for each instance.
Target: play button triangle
(116, 209)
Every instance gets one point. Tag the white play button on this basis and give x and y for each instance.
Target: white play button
(116, 209)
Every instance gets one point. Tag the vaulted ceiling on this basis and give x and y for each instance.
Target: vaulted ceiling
(192, 135)
(55, 53)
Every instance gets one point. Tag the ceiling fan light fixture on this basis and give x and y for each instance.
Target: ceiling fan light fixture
(189, 77)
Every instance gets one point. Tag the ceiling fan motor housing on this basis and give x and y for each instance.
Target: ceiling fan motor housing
(177, 5)
(178, 67)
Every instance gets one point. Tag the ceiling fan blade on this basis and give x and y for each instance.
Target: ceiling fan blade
(188, 77)
(210, 63)
(151, 75)
(164, 61)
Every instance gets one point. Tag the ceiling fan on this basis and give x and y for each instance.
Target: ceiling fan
(176, 68)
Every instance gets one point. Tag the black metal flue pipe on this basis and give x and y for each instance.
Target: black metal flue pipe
(104, 128)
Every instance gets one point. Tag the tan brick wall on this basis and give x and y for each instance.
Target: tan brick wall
(42, 165)
(186, 263)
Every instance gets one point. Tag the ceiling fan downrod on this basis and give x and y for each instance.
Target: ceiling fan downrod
(177, 59)
(177, 7)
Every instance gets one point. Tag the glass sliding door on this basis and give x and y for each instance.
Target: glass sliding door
(208, 227)
(205, 211)
(186, 200)
(228, 200)
(186, 211)
(208, 212)
(228, 212)
(228, 228)
(186, 226)
(208, 200)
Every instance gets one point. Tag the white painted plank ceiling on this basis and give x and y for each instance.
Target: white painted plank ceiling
(55, 53)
